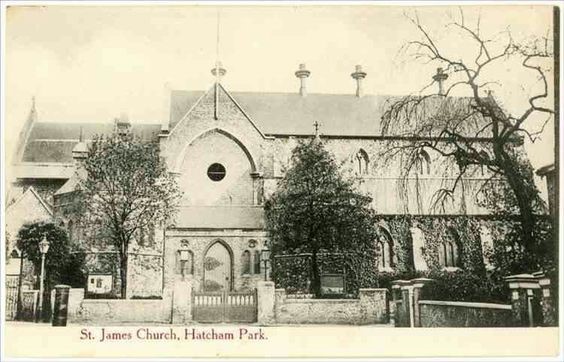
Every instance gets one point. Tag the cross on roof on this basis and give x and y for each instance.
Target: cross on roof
(316, 126)
(440, 77)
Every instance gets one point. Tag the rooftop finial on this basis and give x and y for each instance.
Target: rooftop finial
(302, 73)
(358, 75)
(440, 77)
(218, 71)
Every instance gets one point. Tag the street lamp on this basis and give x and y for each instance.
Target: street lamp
(265, 256)
(43, 248)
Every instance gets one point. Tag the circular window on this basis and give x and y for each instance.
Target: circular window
(216, 172)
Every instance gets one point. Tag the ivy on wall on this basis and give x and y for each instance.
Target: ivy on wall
(472, 282)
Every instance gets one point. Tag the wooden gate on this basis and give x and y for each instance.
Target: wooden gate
(11, 296)
(210, 307)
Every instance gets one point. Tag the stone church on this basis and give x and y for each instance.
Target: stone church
(227, 150)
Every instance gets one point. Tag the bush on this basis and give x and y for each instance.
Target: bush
(465, 287)
(460, 285)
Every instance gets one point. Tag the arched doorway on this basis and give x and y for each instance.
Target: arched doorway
(218, 268)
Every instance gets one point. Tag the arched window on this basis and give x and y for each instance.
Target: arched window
(14, 254)
(450, 251)
(257, 262)
(246, 262)
(387, 258)
(361, 162)
(184, 262)
(381, 256)
(423, 163)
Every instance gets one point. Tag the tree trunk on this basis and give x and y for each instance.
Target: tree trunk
(517, 183)
(123, 275)
(316, 280)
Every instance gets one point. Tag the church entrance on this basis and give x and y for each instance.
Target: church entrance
(217, 302)
(218, 268)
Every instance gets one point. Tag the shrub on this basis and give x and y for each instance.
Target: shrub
(465, 287)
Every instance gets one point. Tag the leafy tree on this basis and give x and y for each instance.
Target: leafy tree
(61, 264)
(315, 209)
(125, 189)
(478, 131)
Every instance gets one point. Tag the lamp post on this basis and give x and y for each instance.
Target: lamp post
(265, 256)
(43, 248)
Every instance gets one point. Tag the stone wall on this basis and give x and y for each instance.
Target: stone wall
(145, 278)
(198, 242)
(463, 314)
(370, 308)
(121, 311)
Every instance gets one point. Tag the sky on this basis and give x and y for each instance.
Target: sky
(93, 63)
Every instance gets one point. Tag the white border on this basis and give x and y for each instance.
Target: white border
(5, 4)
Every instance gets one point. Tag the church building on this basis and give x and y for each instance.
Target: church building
(228, 150)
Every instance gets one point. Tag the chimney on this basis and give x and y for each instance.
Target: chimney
(302, 73)
(122, 124)
(80, 150)
(358, 75)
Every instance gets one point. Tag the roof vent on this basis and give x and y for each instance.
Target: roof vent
(358, 75)
(80, 150)
(302, 73)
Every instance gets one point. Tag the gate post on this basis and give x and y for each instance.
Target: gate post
(182, 302)
(549, 317)
(522, 288)
(265, 302)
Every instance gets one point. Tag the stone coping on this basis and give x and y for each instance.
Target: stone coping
(372, 289)
(117, 301)
(466, 304)
(318, 301)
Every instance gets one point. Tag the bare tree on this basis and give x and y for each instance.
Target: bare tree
(474, 130)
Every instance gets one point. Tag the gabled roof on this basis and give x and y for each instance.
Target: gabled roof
(29, 207)
(292, 114)
(30, 192)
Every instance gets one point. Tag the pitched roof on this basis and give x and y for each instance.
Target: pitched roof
(73, 182)
(54, 142)
(292, 114)
(30, 193)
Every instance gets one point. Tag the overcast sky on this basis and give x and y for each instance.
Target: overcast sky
(87, 64)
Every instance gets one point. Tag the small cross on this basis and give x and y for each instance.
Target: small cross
(316, 125)
(440, 77)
